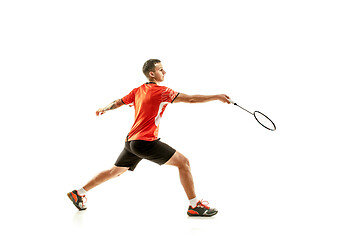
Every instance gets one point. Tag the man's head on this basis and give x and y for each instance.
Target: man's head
(153, 70)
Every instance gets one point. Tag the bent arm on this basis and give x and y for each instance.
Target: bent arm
(115, 104)
(201, 98)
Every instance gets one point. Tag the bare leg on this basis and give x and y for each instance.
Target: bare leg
(186, 178)
(105, 176)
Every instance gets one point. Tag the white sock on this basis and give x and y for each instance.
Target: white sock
(81, 192)
(193, 202)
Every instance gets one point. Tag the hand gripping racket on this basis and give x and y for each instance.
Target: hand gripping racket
(260, 117)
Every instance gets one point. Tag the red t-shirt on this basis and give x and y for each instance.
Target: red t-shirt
(149, 101)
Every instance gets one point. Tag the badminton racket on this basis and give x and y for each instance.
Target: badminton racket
(261, 118)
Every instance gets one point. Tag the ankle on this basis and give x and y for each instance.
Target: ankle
(193, 202)
(81, 192)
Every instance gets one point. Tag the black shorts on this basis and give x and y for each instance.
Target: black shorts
(136, 150)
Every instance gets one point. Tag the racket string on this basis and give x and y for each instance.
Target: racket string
(264, 121)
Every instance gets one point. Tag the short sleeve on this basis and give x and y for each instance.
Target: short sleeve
(130, 98)
(168, 95)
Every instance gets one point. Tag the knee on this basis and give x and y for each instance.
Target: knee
(184, 163)
(180, 161)
(117, 171)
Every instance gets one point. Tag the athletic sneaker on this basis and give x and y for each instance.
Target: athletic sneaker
(77, 200)
(202, 210)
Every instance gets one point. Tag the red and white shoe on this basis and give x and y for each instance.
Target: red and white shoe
(201, 210)
(77, 200)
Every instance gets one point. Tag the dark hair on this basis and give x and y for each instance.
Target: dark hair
(149, 66)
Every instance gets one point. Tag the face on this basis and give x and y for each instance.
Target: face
(158, 75)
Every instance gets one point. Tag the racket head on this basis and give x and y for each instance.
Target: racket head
(264, 121)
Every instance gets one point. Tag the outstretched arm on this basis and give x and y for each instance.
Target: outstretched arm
(115, 104)
(201, 98)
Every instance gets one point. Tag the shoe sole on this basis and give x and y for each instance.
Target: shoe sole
(197, 215)
(73, 201)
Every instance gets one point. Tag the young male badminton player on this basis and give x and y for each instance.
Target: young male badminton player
(149, 102)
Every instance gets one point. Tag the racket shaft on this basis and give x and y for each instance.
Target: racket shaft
(243, 108)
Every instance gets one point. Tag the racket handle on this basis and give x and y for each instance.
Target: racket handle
(231, 101)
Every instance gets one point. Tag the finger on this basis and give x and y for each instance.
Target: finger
(227, 96)
(227, 99)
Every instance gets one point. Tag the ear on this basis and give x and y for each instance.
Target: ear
(152, 74)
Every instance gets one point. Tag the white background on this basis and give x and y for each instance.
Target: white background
(296, 61)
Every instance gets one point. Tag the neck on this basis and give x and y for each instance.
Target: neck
(153, 81)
